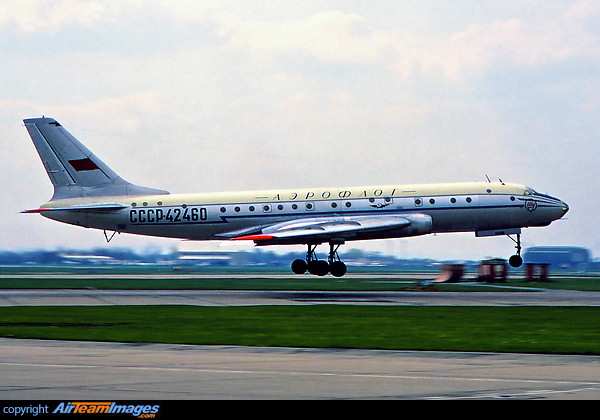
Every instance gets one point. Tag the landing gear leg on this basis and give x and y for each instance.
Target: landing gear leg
(315, 266)
(336, 267)
(312, 264)
(516, 260)
(319, 267)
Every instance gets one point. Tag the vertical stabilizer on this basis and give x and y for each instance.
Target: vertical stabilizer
(72, 168)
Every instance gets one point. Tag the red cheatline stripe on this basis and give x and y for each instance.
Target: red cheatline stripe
(254, 238)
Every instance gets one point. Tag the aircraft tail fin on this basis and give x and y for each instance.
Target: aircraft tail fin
(72, 168)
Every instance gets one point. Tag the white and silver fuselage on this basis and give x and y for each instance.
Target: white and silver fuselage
(88, 193)
(484, 208)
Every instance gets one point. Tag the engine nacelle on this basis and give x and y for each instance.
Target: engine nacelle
(420, 224)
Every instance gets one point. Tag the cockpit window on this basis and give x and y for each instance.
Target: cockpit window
(531, 191)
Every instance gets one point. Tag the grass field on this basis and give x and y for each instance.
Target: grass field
(570, 330)
(561, 330)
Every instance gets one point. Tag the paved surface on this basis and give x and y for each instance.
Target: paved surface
(228, 298)
(36, 370)
(73, 371)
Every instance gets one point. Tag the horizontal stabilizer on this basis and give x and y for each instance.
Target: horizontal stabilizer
(82, 207)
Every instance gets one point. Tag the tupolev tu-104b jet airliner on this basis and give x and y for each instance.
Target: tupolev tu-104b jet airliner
(88, 193)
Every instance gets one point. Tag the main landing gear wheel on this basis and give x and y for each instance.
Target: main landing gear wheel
(337, 269)
(516, 260)
(319, 267)
(299, 266)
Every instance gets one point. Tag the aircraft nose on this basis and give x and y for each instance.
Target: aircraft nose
(565, 208)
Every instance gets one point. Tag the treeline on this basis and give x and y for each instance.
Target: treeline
(255, 258)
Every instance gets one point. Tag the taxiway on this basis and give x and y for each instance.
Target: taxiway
(56, 370)
(75, 297)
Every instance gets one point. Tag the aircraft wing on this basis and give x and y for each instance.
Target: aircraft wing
(81, 207)
(321, 229)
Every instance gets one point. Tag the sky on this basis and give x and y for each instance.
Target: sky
(204, 96)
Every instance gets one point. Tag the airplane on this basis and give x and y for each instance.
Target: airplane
(88, 193)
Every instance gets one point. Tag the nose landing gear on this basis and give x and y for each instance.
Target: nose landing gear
(319, 267)
(516, 260)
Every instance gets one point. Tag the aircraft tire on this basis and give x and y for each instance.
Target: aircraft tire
(515, 261)
(318, 268)
(337, 269)
(299, 266)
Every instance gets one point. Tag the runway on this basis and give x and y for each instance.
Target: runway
(71, 371)
(62, 297)
(57, 370)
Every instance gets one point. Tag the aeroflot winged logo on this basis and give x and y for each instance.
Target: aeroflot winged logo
(531, 205)
(140, 411)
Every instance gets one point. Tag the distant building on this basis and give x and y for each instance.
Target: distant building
(88, 259)
(559, 257)
(205, 258)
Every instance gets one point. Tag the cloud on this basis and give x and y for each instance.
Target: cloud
(187, 11)
(509, 44)
(42, 16)
(126, 112)
(331, 36)
(51, 16)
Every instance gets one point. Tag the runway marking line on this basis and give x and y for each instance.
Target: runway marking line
(592, 385)
(534, 393)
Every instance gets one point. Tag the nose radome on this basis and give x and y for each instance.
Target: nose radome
(565, 208)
